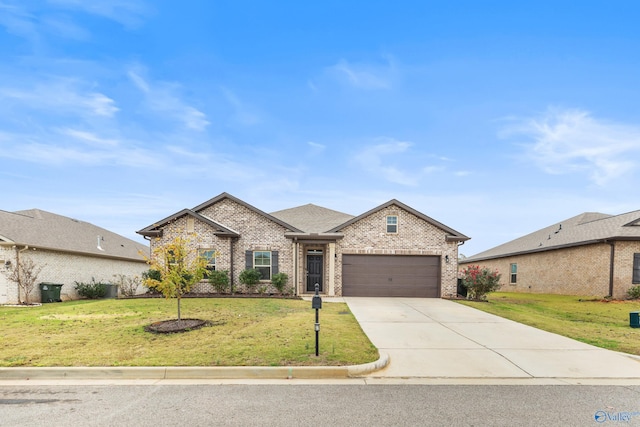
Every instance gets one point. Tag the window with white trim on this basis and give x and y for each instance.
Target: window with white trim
(210, 256)
(392, 223)
(636, 269)
(513, 278)
(262, 263)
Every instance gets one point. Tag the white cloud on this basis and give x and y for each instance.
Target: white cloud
(61, 96)
(378, 159)
(164, 98)
(89, 138)
(315, 148)
(242, 114)
(363, 76)
(129, 13)
(568, 140)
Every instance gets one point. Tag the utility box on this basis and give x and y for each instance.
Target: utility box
(634, 319)
(50, 292)
(111, 291)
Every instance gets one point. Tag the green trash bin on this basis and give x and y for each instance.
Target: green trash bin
(634, 319)
(50, 292)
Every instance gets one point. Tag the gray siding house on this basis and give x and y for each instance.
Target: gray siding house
(391, 250)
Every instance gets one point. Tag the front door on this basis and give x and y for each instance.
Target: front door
(314, 271)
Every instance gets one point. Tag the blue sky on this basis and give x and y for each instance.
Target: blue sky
(496, 118)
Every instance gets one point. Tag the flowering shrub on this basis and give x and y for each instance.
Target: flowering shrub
(480, 281)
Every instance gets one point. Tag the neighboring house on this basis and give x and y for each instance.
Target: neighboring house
(68, 250)
(590, 254)
(392, 250)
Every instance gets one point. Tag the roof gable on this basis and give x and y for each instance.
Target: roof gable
(451, 233)
(155, 230)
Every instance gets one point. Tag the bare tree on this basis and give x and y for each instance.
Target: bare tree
(25, 274)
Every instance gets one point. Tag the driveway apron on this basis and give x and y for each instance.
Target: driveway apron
(430, 337)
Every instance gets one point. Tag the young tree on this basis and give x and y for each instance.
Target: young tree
(179, 269)
(25, 274)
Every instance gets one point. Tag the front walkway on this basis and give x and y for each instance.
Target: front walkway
(436, 338)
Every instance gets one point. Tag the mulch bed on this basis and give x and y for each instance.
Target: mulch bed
(212, 295)
(175, 325)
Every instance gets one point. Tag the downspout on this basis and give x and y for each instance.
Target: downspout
(231, 261)
(611, 265)
(296, 248)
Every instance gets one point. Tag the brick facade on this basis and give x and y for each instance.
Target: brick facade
(580, 270)
(414, 237)
(256, 231)
(66, 269)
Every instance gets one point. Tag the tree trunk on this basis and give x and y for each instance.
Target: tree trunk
(179, 308)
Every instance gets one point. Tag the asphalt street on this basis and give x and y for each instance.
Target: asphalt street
(319, 405)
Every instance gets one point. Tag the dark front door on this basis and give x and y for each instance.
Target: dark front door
(314, 272)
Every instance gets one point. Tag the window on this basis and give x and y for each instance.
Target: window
(392, 224)
(210, 256)
(514, 274)
(266, 262)
(636, 268)
(262, 263)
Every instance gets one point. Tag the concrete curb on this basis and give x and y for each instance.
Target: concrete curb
(189, 372)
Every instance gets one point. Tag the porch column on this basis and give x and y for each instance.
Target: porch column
(332, 269)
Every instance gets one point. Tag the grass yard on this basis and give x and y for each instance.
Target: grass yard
(246, 332)
(592, 321)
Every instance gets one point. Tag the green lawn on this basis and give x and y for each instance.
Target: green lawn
(246, 332)
(593, 321)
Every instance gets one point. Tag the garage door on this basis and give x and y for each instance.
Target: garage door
(390, 276)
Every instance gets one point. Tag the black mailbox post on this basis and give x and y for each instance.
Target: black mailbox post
(316, 303)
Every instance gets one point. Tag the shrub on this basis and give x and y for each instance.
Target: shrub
(219, 279)
(279, 281)
(480, 281)
(151, 276)
(93, 290)
(250, 278)
(634, 292)
(127, 285)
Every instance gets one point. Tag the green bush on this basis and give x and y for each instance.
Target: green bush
(250, 278)
(151, 274)
(279, 281)
(93, 290)
(219, 279)
(480, 281)
(634, 292)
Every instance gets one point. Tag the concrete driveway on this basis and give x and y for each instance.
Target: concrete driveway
(437, 338)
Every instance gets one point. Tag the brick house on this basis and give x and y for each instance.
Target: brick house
(68, 251)
(391, 250)
(590, 254)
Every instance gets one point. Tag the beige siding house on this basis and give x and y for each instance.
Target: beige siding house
(591, 254)
(391, 250)
(67, 250)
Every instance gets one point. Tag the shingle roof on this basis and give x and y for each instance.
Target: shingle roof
(586, 228)
(311, 218)
(46, 230)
